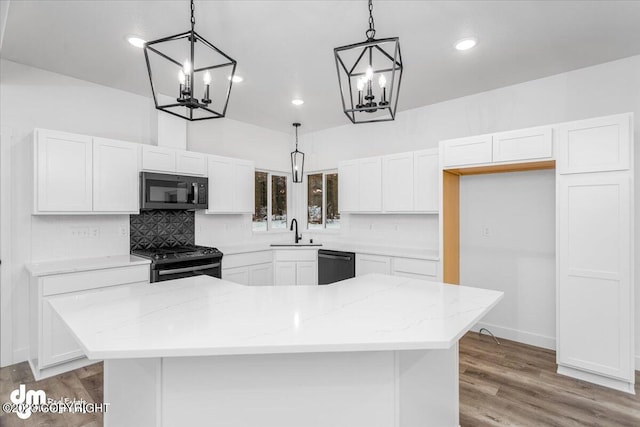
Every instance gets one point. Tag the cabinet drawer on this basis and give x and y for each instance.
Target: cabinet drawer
(251, 258)
(415, 266)
(467, 151)
(296, 255)
(525, 144)
(63, 283)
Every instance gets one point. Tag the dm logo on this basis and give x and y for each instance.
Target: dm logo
(25, 400)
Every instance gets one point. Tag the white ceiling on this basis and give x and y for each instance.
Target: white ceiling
(284, 49)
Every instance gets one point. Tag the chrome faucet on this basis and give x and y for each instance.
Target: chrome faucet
(298, 237)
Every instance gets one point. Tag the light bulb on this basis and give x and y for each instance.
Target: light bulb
(181, 77)
(382, 81)
(296, 167)
(207, 78)
(369, 74)
(361, 83)
(187, 67)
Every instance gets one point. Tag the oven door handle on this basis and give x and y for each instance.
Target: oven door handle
(187, 269)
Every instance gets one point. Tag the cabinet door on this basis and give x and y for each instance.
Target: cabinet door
(63, 165)
(523, 144)
(426, 180)
(191, 163)
(158, 159)
(467, 151)
(370, 180)
(115, 176)
(398, 185)
(261, 274)
(58, 345)
(601, 144)
(366, 264)
(306, 273)
(285, 273)
(237, 275)
(348, 186)
(595, 304)
(244, 186)
(220, 172)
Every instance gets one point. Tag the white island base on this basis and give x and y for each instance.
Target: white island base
(351, 389)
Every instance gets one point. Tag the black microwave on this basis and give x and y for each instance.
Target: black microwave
(165, 191)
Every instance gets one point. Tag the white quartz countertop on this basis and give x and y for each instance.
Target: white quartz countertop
(201, 316)
(337, 246)
(83, 264)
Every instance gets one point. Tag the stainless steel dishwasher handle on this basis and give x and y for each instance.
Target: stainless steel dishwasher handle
(187, 269)
(341, 258)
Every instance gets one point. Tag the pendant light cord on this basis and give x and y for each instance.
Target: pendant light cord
(371, 32)
(193, 19)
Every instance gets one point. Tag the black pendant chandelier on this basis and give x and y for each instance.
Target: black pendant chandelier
(190, 77)
(297, 161)
(366, 69)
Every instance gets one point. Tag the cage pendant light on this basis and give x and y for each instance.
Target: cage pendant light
(190, 77)
(297, 161)
(369, 75)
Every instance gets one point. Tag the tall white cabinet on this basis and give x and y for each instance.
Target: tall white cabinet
(595, 297)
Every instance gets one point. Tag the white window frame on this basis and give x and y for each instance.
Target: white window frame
(324, 228)
(270, 228)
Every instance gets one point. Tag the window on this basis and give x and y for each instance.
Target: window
(270, 210)
(322, 201)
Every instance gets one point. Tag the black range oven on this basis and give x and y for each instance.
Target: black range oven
(182, 261)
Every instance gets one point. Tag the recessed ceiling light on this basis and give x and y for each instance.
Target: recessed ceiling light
(297, 101)
(136, 41)
(466, 44)
(236, 78)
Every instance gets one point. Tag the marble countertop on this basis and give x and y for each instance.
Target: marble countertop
(201, 316)
(83, 264)
(417, 253)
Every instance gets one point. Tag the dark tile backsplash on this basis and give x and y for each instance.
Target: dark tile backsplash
(161, 228)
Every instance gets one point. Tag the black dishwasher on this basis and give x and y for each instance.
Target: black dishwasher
(334, 266)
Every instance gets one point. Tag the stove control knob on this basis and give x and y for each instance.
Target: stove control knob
(156, 256)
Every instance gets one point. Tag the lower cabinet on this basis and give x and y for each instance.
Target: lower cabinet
(366, 264)
(261, 274)
(407, 267)
(296, 267)
(53, 350)
(252, 268)
(236, 275)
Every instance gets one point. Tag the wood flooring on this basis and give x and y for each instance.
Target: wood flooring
(510, 384)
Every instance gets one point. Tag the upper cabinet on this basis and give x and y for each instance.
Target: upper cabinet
(523, 145)
(158, 159)
(75, 174)
(115, 192)
(595, 145)
(231, 185)
(396, 183)
(191, 163)
(467, 151)
(63, 172)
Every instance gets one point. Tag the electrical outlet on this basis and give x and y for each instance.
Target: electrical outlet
(94, 232)
(80, 232)
(486, 231)
(124, 231)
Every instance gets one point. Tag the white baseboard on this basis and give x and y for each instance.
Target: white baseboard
(20, 355)
(627, 387)
(518, 336)
(637, 362)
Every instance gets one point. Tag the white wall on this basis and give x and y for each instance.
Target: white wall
(507, 243)
(601, 90)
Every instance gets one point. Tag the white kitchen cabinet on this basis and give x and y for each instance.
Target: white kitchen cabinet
(594, 145)
(398, 182)
(348, 186)
(523, 144)
(261, 274)
(467, 151)
(285, 273)
(426, 180)
(191, 163)
(63, 172)
(370, 184)
(53, 349)
(296, 267)
(366, 264)
(422, 269)
(231, 185)
(158, 159)
(115, 176)
(244, 183)
(236, 275)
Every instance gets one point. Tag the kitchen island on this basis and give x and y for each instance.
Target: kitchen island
(371, 351)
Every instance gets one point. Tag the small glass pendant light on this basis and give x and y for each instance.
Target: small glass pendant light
(297, 161)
